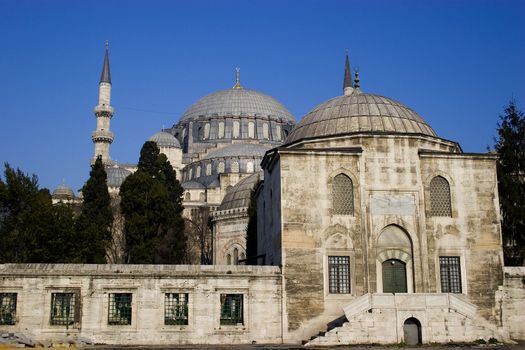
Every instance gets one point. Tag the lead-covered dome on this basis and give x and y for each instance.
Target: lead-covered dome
(116, 175)
(63, 192)
(359, 112)
(238, 102)
(239, 195)
(165, 139)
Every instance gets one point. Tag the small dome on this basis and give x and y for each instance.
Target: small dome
(239, 150)
(359, 112)
(238, 102)
(63, 192)
(239, 195)
(116, 176)
(165, 139)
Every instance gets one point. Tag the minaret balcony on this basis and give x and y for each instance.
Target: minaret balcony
(105, 110)
(102, 136)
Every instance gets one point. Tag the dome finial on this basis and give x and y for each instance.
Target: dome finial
(347, 82)
(357, 85)
(237, 78)
(107, 45)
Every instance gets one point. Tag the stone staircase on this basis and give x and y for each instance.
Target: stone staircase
(379, 318)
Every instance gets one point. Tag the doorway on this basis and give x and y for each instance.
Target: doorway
(412, 331)
(394, 276)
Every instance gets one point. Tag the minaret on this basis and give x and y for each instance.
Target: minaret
(347, 83)
(102, 137)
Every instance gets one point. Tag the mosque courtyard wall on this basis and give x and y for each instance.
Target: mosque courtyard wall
(144, 304)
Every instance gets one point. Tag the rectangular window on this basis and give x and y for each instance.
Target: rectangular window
(176, 309)
(232, 309)
(450, 271)
(339, 274)
(8, 308)
(64, 309)
(119, 310)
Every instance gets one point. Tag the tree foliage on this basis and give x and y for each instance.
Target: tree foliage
(510, 146)
(93, 225)
(32, 230)
(151, 204)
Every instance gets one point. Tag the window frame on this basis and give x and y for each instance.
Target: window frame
(54, 319)
(338, 282)
(185, 305)
(238, 299)
(431, 198)
(446, 277)
(334, 191)
(130, 317)
(11, 308)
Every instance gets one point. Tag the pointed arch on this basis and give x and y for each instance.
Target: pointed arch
(342, 195)
(440, 202)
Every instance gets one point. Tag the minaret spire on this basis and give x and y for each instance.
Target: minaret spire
(105, 77)
(347, 82)
(237, 78)
(102, 137)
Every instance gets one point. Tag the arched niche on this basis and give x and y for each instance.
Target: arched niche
(394, 244)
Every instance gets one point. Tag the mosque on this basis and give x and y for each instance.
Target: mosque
(371, 229)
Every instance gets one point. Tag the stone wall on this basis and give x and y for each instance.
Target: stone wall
(96, 285)
(511, 299)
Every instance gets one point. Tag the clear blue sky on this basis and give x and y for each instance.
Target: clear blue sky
(457, 63)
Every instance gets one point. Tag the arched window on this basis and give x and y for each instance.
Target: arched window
(440, 204)
(202, 197)
(208, 169)
(235, 167)
(235, 256)
(221, 130)
(220, 168)
(190, 176)
(187, 197)
(198, 171)
(236, 129)
(278, 133)
(206, 131)
(249, 167)
(228, 259)
(251, 130)
(342, 195)
(266, 132)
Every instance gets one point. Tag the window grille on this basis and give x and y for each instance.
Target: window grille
(440, 197)
(119, 311)
(176, 309)
(235, 167)
(64, 309)
(450, 270)
(8, 308)
(232, 309)
(343, 195)
(339, 274)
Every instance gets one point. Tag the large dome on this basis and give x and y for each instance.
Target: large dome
(238, 102)
(359, 112)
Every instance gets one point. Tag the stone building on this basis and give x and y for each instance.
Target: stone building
(371, 229)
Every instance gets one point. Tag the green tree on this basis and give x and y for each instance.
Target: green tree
(510, 146)
(151, 203)
(32, 230)
(93, 225)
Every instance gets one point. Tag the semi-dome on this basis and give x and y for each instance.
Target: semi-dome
(239, 150)
(63, 192)
(239, 195)
(165, 139)
(116, 176)
(359, 112)
(238, 101)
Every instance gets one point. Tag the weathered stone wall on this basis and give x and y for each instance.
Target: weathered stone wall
(260, 287)
(390, 176)
(511, 300)
(229, 235)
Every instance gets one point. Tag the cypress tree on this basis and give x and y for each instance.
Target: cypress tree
(510, 146)
(151, 203)
(93, 225)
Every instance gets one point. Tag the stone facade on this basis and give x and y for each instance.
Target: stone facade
(205, 288)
